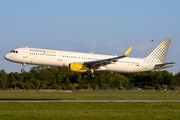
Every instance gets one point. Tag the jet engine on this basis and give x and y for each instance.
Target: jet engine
(74, 67)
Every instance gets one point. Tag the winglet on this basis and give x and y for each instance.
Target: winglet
(92, 52)
(128, 52)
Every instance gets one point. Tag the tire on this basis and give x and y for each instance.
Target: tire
(22, 70)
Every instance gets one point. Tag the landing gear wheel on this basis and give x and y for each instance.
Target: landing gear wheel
(84, 75)
(92, 75)
(22, 70)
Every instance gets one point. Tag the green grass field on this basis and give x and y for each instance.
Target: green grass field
(97, 110)
(91, 95)
(90, 110)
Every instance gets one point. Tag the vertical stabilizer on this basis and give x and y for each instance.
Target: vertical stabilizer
(160, 52)
(158, 56)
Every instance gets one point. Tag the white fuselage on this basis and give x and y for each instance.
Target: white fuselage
(63, 58)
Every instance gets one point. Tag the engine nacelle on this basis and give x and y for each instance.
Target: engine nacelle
(74, 67)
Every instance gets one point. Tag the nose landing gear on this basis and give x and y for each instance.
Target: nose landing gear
(22, 70)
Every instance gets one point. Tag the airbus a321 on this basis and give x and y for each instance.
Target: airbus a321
(83, 62)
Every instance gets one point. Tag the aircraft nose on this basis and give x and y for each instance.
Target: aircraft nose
(6, 56)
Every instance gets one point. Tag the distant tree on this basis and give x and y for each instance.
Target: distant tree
(11, 81)
(131, 86)
(62, 86)
(106, 87)
(55, 86)
(82, 82)
(18, 80)
(67, 83)
(3, 79)
(109, 79)
(158, 87)
(102, 79)
(176, 80)
(167, 77)
(46, 75)
(37, 83)
(158, 78)
(49, 77)
(44, 83)
(60, 77)
(79, 79)
(120, 81)
(95, 86)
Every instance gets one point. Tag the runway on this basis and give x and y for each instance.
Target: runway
(89, 100)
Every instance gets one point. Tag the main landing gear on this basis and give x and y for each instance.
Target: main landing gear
(22, 70)
(85, 74)
(92, 74)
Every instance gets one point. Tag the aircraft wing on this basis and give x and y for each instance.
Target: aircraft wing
(96, 64)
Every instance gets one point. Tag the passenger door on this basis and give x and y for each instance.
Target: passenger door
(25, 53)
(59, 56)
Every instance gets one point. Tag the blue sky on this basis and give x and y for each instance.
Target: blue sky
(103, 26)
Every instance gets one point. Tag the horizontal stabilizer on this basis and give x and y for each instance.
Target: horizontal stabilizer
(164, 65)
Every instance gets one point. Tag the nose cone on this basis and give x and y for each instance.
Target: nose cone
(6, 56)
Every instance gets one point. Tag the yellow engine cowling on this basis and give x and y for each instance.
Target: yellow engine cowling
(74, 67)
(64, 69)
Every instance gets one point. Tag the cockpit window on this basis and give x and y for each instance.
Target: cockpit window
(13, 51)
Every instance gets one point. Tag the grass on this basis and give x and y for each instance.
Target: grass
(90, 96)
(90, 110)
(96, 111)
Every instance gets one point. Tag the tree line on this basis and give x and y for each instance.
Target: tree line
(41, 77)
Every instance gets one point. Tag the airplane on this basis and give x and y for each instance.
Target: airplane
(82, 62)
